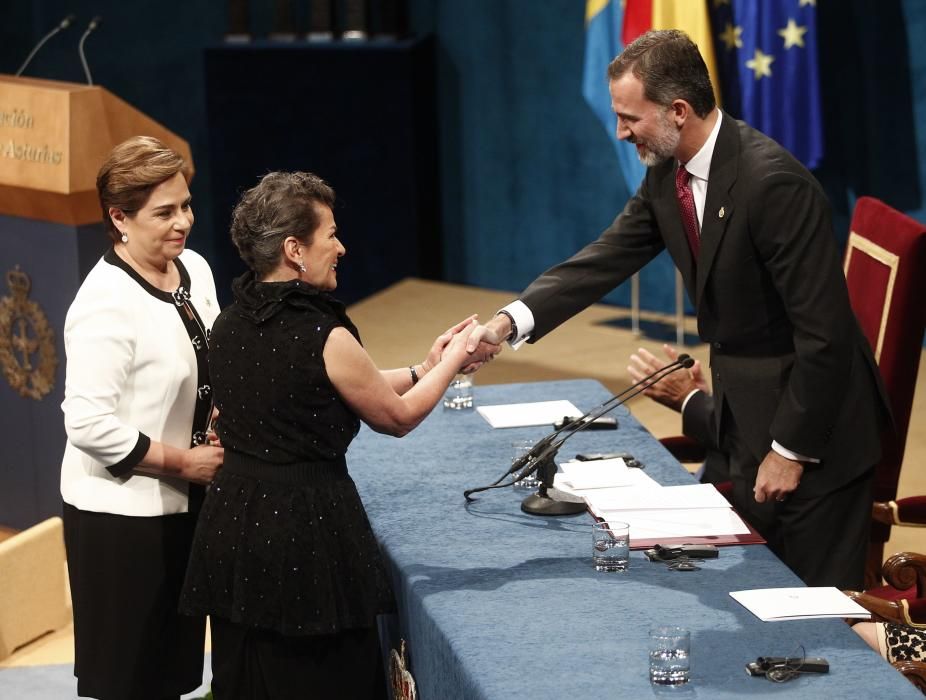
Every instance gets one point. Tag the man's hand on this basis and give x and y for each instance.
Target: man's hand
(777, 477)
(485, 342)
(672, 390)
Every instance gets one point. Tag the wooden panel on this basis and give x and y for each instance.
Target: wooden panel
(124, 121)
(89, 137)
(74, 209)
(53, 138)
(34, 136)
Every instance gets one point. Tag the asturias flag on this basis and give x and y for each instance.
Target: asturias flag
(603, 21)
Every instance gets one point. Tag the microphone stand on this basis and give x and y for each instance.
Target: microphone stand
(94, 23)
(540, 457)
(63, 24)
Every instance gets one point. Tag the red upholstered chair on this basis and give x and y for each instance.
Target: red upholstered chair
(885, 267)
(685, 449)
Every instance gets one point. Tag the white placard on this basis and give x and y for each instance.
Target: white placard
(523, 415)
(772, 604)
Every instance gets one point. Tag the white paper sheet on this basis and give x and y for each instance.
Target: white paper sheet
(577, 477)
(693, 496)
(664, 524)
(522, 415)
(771, 604)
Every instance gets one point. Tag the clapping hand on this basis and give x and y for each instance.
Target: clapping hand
(674, 388)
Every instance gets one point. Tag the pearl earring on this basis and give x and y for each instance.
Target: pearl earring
(301, 266)
(125, 237)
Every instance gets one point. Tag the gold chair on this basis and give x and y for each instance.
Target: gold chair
(33, 582)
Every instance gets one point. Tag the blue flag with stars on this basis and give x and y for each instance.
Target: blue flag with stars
(767, 59)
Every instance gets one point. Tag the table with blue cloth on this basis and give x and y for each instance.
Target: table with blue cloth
(496, 603)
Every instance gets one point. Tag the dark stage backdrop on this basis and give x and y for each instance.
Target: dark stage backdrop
(521, 175)
(526, 176)
(529, 177)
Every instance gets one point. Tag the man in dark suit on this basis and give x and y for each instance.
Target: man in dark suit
(797, 403)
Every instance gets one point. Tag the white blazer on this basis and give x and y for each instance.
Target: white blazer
(131, 373)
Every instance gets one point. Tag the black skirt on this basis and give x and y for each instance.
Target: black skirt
(126, 574)
(286, 548)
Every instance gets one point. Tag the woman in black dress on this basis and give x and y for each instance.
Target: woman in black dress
(284, 560)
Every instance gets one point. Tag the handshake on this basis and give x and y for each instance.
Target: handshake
(469, 343)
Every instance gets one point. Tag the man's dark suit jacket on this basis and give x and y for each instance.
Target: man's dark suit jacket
(699, 423)
(787, 356)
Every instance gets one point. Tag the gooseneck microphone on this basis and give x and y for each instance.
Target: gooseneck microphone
(63, 24)
(94, 23)
(540, 457)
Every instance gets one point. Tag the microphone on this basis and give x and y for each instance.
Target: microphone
(540, 457)
(94, 23)
(63, 24)
(683, 361)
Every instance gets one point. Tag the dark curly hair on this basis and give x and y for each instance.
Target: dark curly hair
(282, 204)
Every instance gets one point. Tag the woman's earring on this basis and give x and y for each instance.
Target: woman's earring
(301, 266)
(125, 237)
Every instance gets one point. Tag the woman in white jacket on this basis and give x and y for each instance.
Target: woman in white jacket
(137, 410)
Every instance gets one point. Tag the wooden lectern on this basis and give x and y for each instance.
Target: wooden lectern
(54, 137)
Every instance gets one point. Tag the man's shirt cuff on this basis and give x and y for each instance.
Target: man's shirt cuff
(687, 398)
(788, 454)
(523, 320)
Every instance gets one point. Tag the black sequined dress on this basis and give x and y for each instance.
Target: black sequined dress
(283, 542)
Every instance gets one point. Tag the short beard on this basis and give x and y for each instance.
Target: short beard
(661, 147)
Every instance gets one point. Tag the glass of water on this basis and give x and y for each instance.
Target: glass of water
(611, 546)
(459, 394)
(518, 449)
(669, 649)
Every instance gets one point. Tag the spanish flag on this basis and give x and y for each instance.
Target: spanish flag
(691, 16)
(612, 24)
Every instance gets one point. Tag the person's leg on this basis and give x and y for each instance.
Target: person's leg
(743, 467)
(126, 573)
(825, 539)
(873, 635)
(230, 663)
(250, 664)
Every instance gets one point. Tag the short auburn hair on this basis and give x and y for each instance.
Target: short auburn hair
(131, 171)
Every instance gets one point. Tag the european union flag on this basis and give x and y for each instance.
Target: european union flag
(767, 57)
(603, 20)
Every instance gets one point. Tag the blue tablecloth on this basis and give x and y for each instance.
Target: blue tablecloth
(495, 603)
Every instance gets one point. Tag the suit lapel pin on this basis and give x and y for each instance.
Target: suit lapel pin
(721, 212)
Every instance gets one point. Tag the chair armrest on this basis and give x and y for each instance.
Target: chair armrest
(881, 610)
(910, 511)
(913, 671)
(905, 570)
